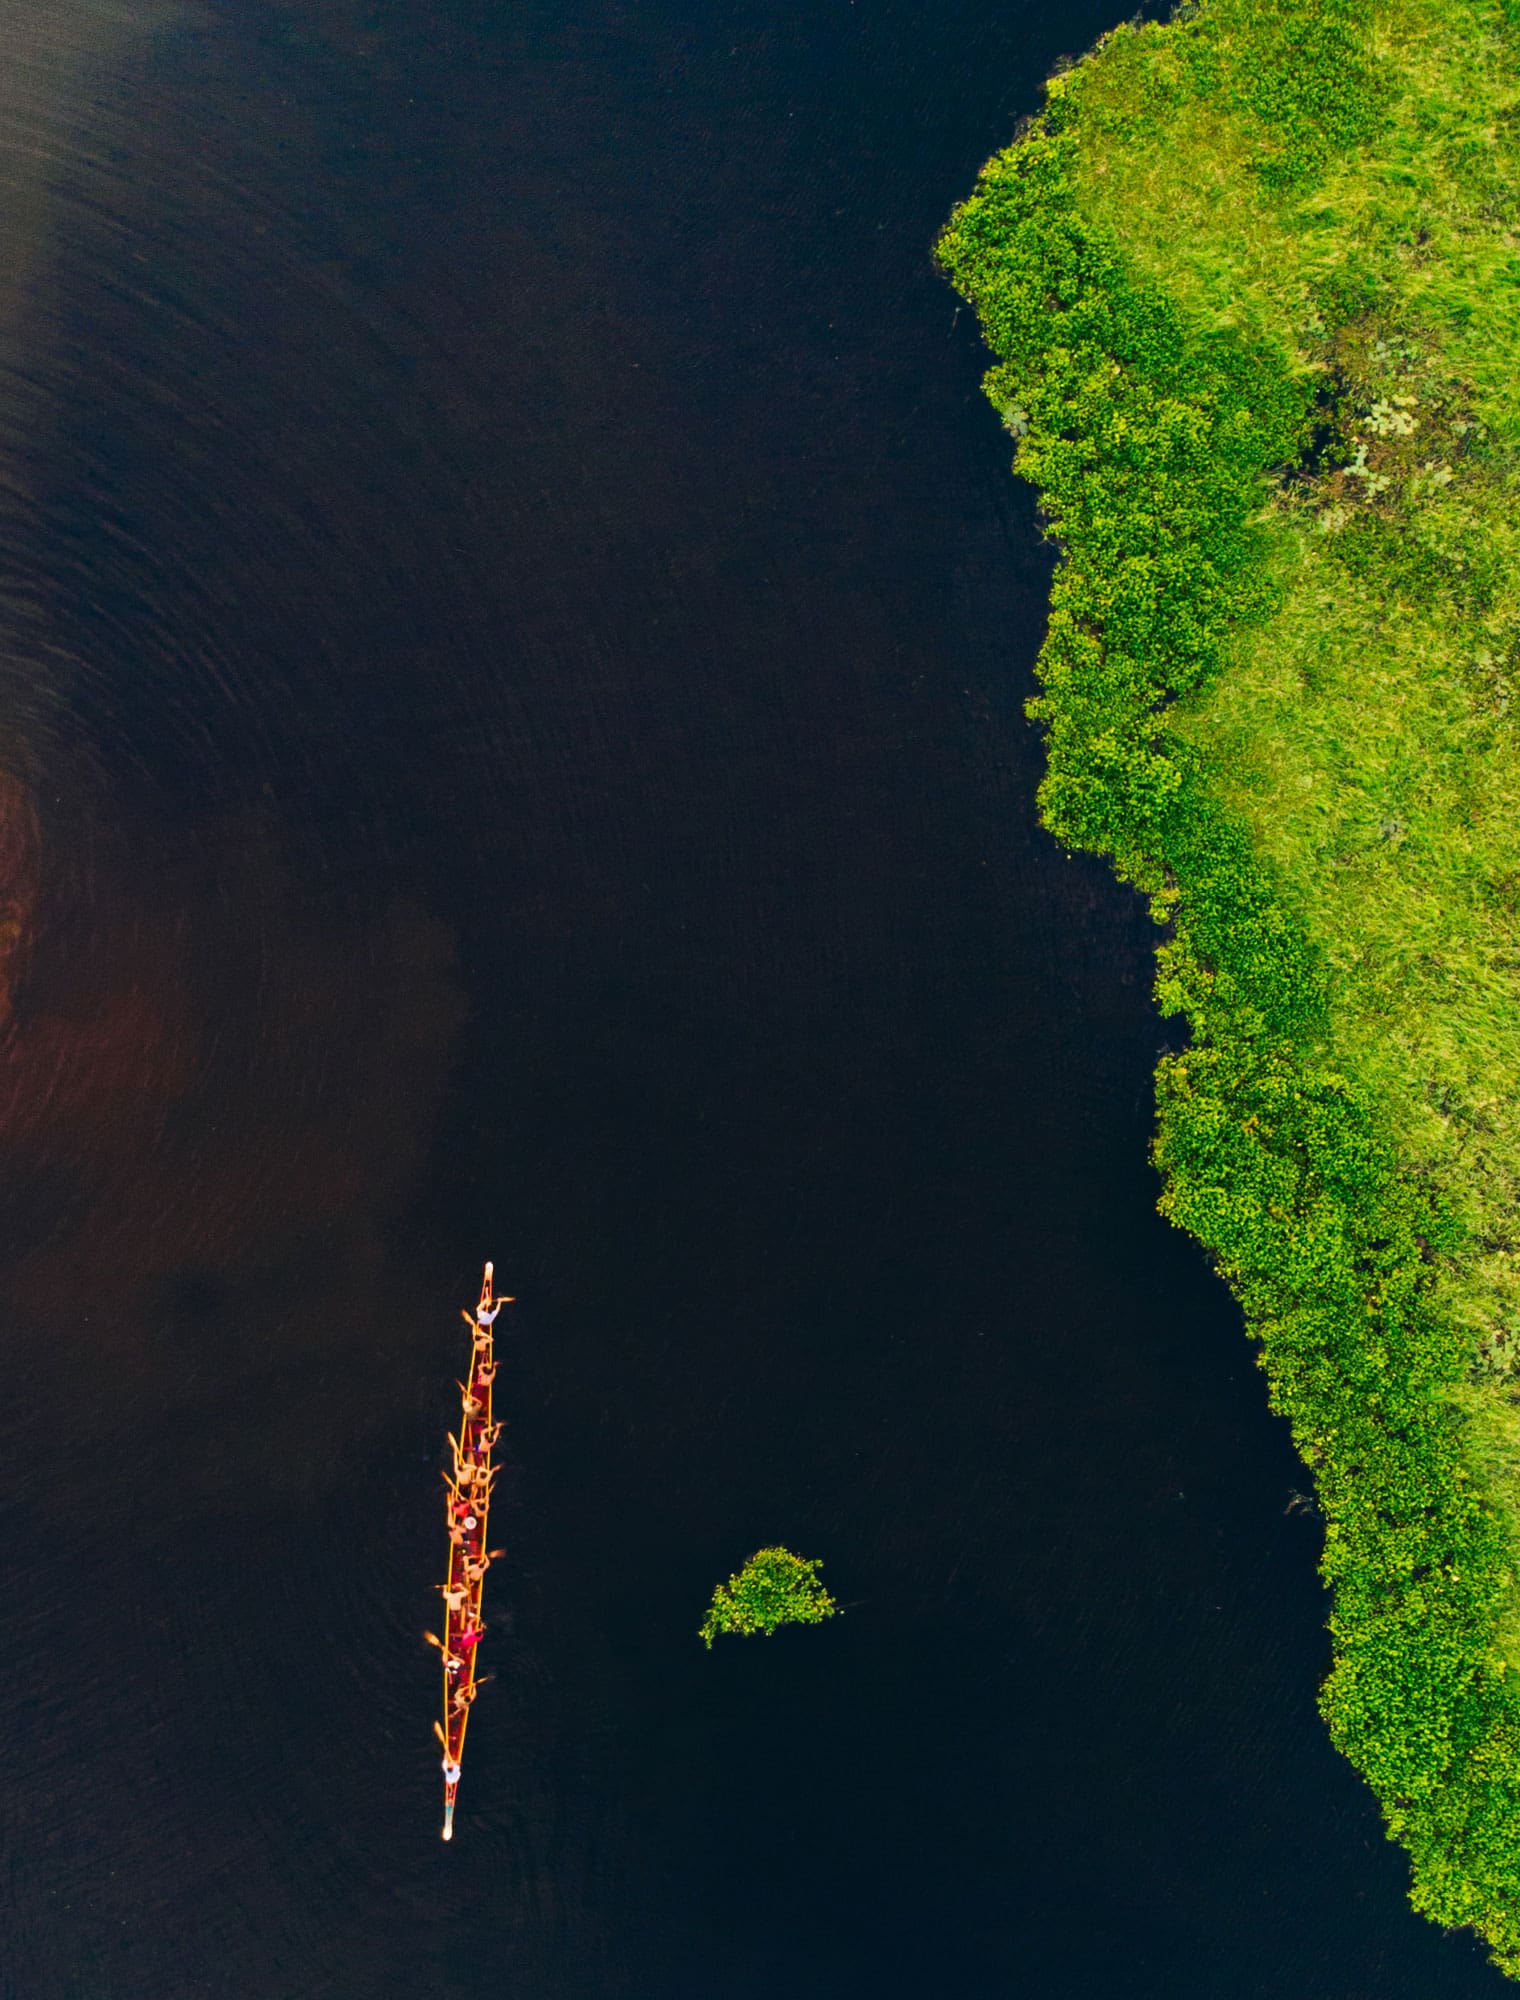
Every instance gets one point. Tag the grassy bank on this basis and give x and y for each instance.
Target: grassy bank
(1255, 301)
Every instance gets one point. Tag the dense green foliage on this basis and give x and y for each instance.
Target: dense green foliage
(1226, 293)
(773, 1588)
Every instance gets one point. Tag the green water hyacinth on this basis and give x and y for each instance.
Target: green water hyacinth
(773, 1588)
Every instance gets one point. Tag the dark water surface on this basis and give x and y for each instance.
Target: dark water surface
(514, 618)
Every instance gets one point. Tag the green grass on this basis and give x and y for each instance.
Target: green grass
(1365, 733)
(1253, 282)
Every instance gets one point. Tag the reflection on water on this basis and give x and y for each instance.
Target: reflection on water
(18, 888)
(513, 622)
(211, 1089)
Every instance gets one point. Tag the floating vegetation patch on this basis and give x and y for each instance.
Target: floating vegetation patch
(773, 1589)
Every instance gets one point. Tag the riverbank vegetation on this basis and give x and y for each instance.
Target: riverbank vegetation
(774, 1588)
(1253, 290)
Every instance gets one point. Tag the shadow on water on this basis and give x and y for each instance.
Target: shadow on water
(513, 629)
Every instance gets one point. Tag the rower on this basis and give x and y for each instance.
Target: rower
(451, 1661)
(483, 1319)
(454, 1595)
(451, 1771)
(485, 1375)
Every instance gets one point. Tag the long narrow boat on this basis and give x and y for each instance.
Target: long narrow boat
(469, 1502)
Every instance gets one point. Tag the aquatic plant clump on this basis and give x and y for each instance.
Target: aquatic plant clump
(774, 1588)
(1255, 308)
